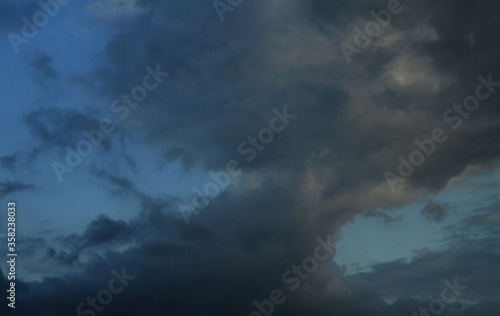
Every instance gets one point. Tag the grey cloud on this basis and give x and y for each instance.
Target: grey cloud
(434, 211)
(53, 129)
(225, 80)
(365, 148)
(104, 229)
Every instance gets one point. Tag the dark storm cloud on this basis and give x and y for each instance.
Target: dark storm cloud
(378, 141)
(209, 122)
(434, 211)
(104, 230)
(467, 27)
(206, 120)
(228, 278)
(249, 240)
(223, 269)
(199, 116)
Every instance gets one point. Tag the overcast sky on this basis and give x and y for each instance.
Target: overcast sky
(251, 157)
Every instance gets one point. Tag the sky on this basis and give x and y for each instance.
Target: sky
(251, 157)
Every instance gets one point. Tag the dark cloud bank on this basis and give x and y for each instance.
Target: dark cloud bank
(353, 120)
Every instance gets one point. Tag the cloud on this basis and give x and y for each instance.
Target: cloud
(353, 121)
(433, 211)
(42, 68)
(43, 63)
(104, 230)
(238, 248)
(7, 187)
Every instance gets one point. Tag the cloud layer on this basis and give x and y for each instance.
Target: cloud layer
(353, 121)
